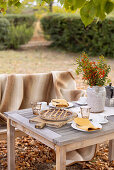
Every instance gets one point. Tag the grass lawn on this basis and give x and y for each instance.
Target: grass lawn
(41, 59)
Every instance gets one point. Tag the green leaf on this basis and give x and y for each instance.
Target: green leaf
(61, 2)
(18, 4)
(109, 7)
(100, 9)
(10, 3)
(102, 15)
(103, 3)
(96, 2)
(86, 19)
(88, 12)
(78, 3)
(92, 11)
(89, 8)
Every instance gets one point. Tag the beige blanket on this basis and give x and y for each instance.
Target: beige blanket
(17, 91)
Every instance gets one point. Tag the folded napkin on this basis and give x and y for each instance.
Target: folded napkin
(85, 124)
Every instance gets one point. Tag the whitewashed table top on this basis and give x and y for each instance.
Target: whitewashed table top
(64, 135)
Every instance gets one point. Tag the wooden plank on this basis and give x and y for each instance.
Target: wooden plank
(66, 127)
(89, 142)
(63, 129)
(3, 133)
(3, 116)
(111, 150)
(66, 132)
(45, 132)
(60, 158)
(23, 111)
(81, 136)
(11, 145)
(34, 135)
(28, 116)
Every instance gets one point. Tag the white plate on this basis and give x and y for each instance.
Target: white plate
(70, 105)
(82, 101)
(94, 123)
(81, 104)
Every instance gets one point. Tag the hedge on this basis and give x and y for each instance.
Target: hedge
(18, 19)
(4, 32)
(19, 35)
(68, 32)
(15, 31)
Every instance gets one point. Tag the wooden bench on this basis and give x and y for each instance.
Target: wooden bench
(62, 139)
(32, 87)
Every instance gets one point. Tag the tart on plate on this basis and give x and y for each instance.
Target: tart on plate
(55, 114)
(59, 103)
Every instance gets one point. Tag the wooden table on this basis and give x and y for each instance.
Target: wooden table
(63, 139)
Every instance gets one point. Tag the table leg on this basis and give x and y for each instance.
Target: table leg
(11, 145)
(111, 150)
(60, 158)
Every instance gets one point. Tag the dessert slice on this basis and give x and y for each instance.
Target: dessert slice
(59, 102)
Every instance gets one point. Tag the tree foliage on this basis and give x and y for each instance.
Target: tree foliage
(89, 9)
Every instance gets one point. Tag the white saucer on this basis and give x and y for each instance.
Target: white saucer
(94, 123)
(102, 121)
(70, 105)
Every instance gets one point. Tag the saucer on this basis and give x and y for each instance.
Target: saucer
(101, 121)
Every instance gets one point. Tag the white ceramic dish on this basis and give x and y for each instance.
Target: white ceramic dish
(82, 101)
(81, 104)
(70, 105)
(101, 121)
(73, 125)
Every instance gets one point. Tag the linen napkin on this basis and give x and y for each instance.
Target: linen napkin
(85, 124)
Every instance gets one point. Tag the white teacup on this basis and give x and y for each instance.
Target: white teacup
(101, 119)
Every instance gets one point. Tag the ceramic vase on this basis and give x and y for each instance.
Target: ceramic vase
(96, 98)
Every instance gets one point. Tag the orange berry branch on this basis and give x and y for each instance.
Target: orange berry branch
(94, 73)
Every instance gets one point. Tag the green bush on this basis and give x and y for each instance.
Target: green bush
(68, 32)
(18, 19)
(19, 35)
(4, 32)
(13, 35)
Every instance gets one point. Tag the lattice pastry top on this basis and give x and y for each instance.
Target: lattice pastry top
(56, 114)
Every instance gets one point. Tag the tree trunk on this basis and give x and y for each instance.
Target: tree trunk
(51, 6)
